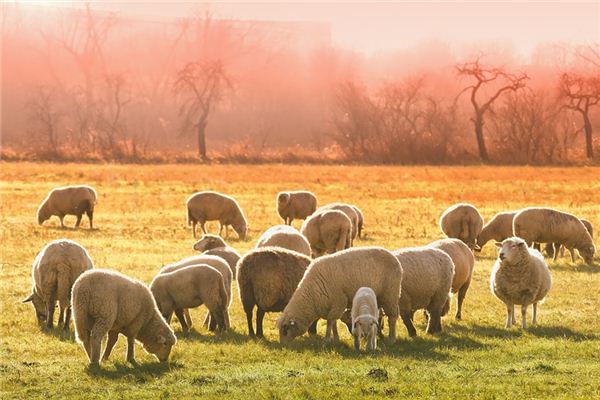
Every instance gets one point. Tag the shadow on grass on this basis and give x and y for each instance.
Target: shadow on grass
(593, 268)
(141, 372)
(547, 332)
(84, 229)
(204, 336)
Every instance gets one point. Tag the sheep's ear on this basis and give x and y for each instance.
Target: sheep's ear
(28, 299)
(498, 244)
(521, 244)
(160, 339)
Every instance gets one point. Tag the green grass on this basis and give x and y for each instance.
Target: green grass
(141, 226)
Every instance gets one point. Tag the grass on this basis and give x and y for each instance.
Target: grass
(141, 226)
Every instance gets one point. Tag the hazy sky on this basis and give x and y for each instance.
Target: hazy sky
(372, 27)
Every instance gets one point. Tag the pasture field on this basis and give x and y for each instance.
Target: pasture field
(140, 220)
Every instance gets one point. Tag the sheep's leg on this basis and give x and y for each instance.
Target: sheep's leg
(110, 343)
(260, 314)
(509, 316)
(534, 314)
(514, 316)
(90, 215)
(249, 309)
(84, 336)
(562, 249)
(357, 342)
(435, 322)
(181, 318)
(207, 320)
(203, 227)
(330, 323)
(67, 318)
(572, 251)
(226, 231)
(555, 257)
(462, 292)
(524, 315)
(312, 329)
(212, 324)
(62, 222)
(50, 313)
(131, 351)
(97, 334)
(336, 336)
(412, 332)
(537, 246)
(78, 222)
(188, 317)
(194, 229)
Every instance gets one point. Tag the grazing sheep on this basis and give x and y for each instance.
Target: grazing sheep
(365, 318)
(464, 262)
(213, 206)
(519, 276)
(327, 232)
(295, 205)
(217, 263)
(426, 283)
(68, 200)
(546, 225)
(190, 287)
(347, 209)
(54, 271)
(462, 221)
(267, 279)
(109, 302)
(498, 228)
(286, 237)
(551, 248)
(330, 283)
(215, 245)
(360, 222)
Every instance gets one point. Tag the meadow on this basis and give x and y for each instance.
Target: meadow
(140, 221)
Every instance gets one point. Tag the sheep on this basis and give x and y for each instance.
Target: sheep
(519, 276)
(295, 205)
(551, 248)
(284, 236)
(365, 318)
(426, 283)
(330, 283)
(462, 221)
(68, 200)
(109, 302)
(498, 228)
(190, 287)
(547, 225)
(55, 269)
(327, 232)
(360, 222)
(215, 245)
(347, 209)
(464, 262)
(213, 206)
(268, 277)
(217, 263)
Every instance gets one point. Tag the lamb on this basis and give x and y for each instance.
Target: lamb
(214, 245)
(190, 287)
(268, 277)
(498, 228)
(426, 283)
(360, 221)
(464, 262)
(551, 248)
(327, 232)
(330, 283)
(54, 272)
(365, 318)
(547, 225)
(519, 276)
(295, 205)
(347, 209)
(217, 263)
(68, 200)
(286, 237)
(109, 302)
(213, 206)
(462, 221)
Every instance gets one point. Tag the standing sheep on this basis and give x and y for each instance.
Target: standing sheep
(546, 225)
(330, 283)
(286, 237)
(191, 287)
(498, 228)
(551, 248)
(267, 279)
(215, 245)
(327, 232)
(54, 272)
(213, 206)
(109, 302)
(68, 200)
(365, 318)
(462, 221)
(464, 262)
(426, 283)
(350, 212)
(295, 205)
(519, 276)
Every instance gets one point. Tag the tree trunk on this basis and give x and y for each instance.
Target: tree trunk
(202, 139)
(587, 126)
(480, 139)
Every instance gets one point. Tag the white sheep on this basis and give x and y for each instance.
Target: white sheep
(68, 200)
(54, 272)
(547, 225)
(519, 276)
(552, 248)
(327, 232)
(365, 318)
(213, 206)
(285, 236)
(215, 245)
(295, 205)
(462, 221)
(350, 212)
(107, 302)
(330, 283)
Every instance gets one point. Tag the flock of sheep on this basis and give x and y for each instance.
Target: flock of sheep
(307, 275)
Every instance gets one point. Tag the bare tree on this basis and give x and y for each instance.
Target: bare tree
(45, 117)
(485, 77)
(110, 116)
(201, 85)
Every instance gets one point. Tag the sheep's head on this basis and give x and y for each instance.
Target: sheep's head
(512, 250)
(364, 326)
(209, 242)
(587, 253)
(39, 305)
(283, 199)
(161, 343)
(241, 229)
(289, 328)
(43, 214)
